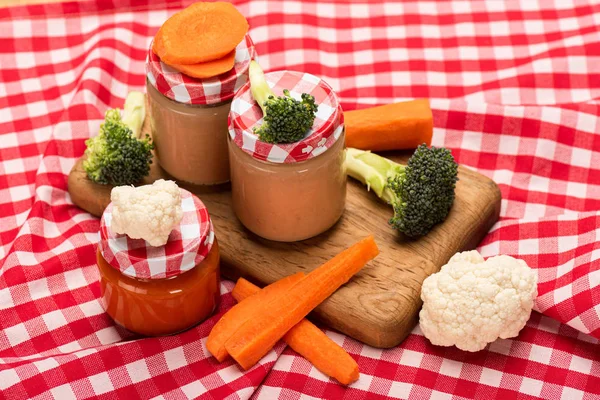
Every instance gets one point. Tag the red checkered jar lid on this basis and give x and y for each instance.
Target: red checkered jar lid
(187, 90)
(189, 243)
(246, 114)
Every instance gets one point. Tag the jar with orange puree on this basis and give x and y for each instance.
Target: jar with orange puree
(159, 290)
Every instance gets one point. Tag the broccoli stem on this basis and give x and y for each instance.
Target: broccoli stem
(258, 85)
(373, 171)
(134, 112)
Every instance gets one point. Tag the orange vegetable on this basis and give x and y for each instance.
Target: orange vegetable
(395, 126)
(311, 343)
(270, 321)
(157, 43)
(238, 314)
(202, 32)
(203, 70)
(207, 69)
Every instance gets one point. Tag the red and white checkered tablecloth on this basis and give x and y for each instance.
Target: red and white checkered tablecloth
(515, 89)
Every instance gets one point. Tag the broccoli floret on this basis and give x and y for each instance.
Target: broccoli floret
(421, 192)
(285, 119)
(116, 157)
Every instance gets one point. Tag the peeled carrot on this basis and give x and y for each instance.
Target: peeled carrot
(207, 69)
(239, 314)
(201, 32)
(244, 289)
(396, 126)
(157, 43)
(311, 343)
(203, 70)
(271, 321)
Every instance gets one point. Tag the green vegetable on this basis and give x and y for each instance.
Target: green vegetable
(116, 156)
(285, 119)
(421, 192)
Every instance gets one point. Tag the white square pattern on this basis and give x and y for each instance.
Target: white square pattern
(531, 387)
(138, 371)
(101, 383)
(540, 354)
(411, 358)
(175, 358)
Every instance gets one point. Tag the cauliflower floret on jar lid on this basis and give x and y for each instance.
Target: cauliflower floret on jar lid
(472, 302)
(148, 212)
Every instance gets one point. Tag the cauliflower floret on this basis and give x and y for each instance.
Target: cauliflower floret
(472, 302)
(148, 212)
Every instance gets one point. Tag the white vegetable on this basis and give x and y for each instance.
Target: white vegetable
(147, 212)
(472, 302)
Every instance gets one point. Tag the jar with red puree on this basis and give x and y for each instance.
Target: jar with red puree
(288, 191)
(189, 111)
(157, 289)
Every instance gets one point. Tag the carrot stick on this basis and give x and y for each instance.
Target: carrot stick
(326, 355)
(311, 343)
(238, 314)
(244, 289)
(396, 126)
(270, 321)
(202, 32)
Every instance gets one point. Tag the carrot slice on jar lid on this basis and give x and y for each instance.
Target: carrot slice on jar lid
(207, 69)
(200, 33)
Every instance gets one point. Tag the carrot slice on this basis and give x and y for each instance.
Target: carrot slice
(157, 43)
(201, 32)
(311, 343)
(396, 126)
(201, 70)
(238, 314)
(270, 321)
(207, 69)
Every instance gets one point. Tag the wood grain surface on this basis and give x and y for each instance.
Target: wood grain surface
(380, 305)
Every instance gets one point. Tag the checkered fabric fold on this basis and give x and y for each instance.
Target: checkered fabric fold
(246, 115)
(514, 87)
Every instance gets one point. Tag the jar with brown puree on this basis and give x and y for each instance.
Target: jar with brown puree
(294, 191)
(189, 117)
(162, 290)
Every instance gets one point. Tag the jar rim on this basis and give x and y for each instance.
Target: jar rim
(188, 245)
(246, 114)
(297, 163)
(187, 90)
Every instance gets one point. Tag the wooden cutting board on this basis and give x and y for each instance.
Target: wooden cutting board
(380, 305)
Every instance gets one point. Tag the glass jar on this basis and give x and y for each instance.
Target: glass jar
(156, 291)
(155, 307)
(288, 202)
(190, 140)
(288, 192)
(189, 117)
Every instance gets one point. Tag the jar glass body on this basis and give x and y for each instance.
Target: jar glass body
(190, 140)
(155, 307)
(290, 201)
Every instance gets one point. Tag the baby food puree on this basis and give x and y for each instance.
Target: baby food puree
(164, 289)
(294, 191)
(189, 117)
